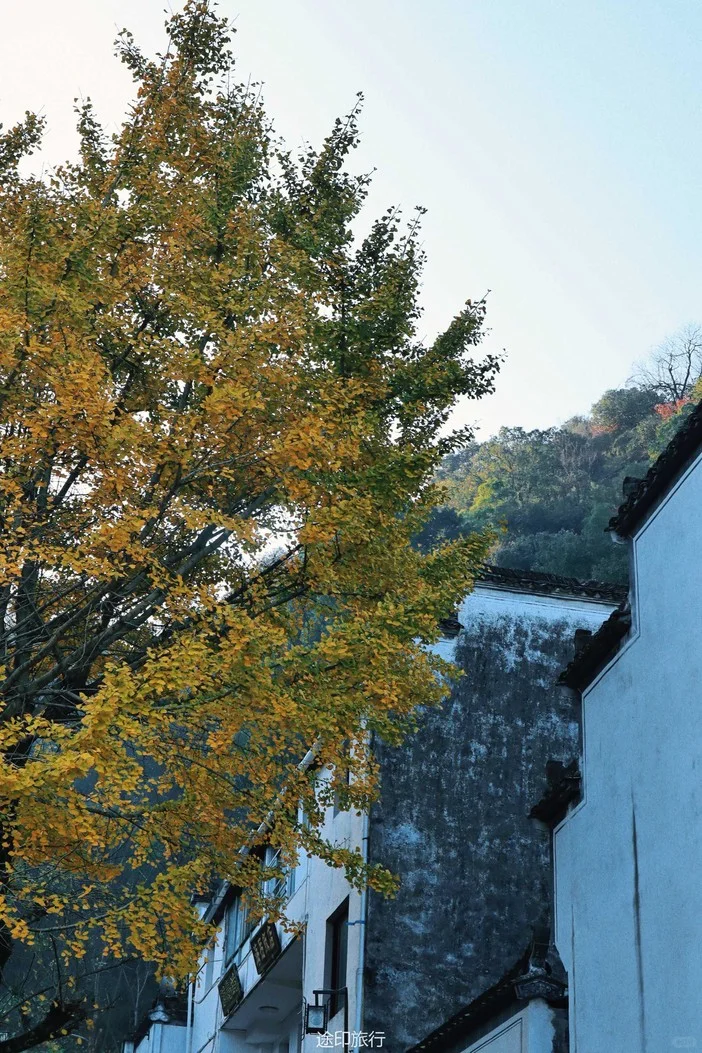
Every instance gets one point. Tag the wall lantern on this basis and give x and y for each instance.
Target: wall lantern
(316, 1016)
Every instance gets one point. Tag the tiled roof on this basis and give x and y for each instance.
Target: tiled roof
(601, 646)
(564, 784)
(529, 969)
(172, 1009)
(660, 476)
(550, 584)
(483, 1008)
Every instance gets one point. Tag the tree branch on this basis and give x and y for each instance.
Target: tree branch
(60, 1016)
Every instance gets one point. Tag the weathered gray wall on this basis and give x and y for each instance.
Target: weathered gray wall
(453, 816)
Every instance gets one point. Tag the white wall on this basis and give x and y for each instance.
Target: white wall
(628, 860)
(530, 1031)
(324, 891)
(163, 1038)
(319, 890)
(490, 602)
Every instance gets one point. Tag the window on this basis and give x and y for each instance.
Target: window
(239, 921)
(274, 886)
(239, 926)
(210, 952)
(336, 955)
(283, 884)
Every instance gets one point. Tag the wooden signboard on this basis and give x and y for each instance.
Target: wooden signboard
(231, 992)
(265, 945)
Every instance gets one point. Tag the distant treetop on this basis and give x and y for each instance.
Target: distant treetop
(551, 492)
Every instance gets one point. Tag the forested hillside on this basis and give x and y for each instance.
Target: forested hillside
(550, 493)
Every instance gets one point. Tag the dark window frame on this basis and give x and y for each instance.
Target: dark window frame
(337, 955)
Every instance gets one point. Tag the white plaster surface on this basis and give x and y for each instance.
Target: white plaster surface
(529, 1031)
(163, 1038)
(491, 602)
(319, 890)
(628, 860)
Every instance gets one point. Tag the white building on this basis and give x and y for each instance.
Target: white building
(628, 856)
(252, 982)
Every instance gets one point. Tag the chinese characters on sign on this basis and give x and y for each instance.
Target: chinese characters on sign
(265, 946)
(350, 1039)
(230, 990)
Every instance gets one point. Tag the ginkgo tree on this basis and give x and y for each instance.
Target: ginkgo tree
(218, 429)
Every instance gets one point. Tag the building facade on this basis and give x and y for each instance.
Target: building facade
(453, 814)
(628, 854)
(469, 934)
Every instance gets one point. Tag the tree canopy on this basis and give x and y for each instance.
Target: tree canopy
(552, 491)
(218, 431)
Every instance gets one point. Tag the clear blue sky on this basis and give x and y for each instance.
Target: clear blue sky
(556, 144)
